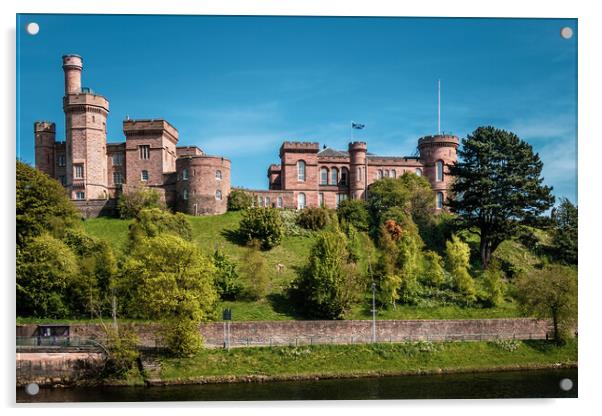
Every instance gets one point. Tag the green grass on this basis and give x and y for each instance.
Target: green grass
(507, 310)
(367, 359)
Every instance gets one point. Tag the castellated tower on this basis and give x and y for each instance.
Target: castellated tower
(357, 170)
(85, 133)
(45, 136)
(437, 153)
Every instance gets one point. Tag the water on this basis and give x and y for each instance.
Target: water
(513, 384)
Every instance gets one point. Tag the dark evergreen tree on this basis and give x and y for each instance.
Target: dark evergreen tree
(565, 231)
(497, 187)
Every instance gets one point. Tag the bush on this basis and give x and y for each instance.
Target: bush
(262, 224)
(227, 281)
(433, 273)
(239, 200)
(314, 218)
(182, 336)
(122, 348)
(493, 285)
(355, 213)
(255, 271)
(152, 222)
(130, 203)
(457, 259)
(290, 224)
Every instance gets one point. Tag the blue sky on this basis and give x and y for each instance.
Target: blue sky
(239, 86)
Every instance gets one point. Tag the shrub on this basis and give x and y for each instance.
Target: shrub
(457, 258)
(433, 273)
(262, 224)
(152, 222)
(122, 347)
(255, 271)
(130, 203)
(493, 285)
(290, 225)
(182, 336)
(355, 213)
(227, 281)
(314, 218)
(508, 345)
(239, 200)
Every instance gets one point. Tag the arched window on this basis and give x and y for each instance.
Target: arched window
(359, 175)
(267, 201)
(418, 171)
(334, 176)
(439, 171)
(387, 173)
(185, 175)
(394, 173)
(279, 202)
(261, 201)
(344, 176)
(218, 174)
(218, 195)
(439, 200)
(379, 174)
(185, 194)
(301, 201)
(301, 171)
(323, 176)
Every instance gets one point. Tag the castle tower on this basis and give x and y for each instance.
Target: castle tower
(85, 132)
(357, 170)
(45, 135)
(437, 153)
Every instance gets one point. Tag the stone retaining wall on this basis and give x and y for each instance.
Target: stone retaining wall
(56, 368)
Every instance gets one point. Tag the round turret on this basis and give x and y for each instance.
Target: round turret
(45, 136)
(437, 153)
(73, 65)
(357, 169)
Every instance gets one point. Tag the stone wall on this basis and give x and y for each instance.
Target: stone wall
(96, 207)
(48, 369)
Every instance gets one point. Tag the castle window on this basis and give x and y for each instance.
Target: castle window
(323, 176)
(301, 201)
(218, 195)
(334, 176)
(418, 171)
(344, 176)
(379, 174)
(78, 171)
(387, 173)
(117, 159)
(341, 198)
(185, 194)
(117, 178)
(393, 173)
(185, 175)
(144, 151)
(61, 160)
(439, 171)
(279, 202)
(80, 195)
(359, 175)
(321, 199)
(439, 200)
(301, 171)
(218, 175)
(267, 201)
(63, 180)
(144, 175)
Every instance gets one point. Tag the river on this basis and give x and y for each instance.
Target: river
(511, 384)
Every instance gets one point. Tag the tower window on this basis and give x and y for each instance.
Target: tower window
(61, 160)
(334, 176)
(185, 194)
(144, 175)
(218, 174)
(63, 180)
(301, 201)
(78, 171)
(117, 178)
(323, 176)
(218, 195)
(359, 175)
(344, 176)
(439, 171)
(185, 175)
(439, 200)
(144, 151)
(117, 159)
(301, 171)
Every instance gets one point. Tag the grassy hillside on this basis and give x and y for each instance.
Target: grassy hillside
(210, 232)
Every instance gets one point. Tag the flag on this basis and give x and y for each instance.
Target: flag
(357, 126)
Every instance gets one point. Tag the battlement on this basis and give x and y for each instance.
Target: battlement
(44, 126)
(274, 168)
(439, 139)
(183, 151)
(149, 126)
(358, 146)
(300, 147)
(87, 99)
(73, 61)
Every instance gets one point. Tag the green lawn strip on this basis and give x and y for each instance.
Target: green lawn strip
(356, 360)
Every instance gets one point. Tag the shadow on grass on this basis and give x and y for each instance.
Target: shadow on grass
(541, 345)
(282, 304)
(235, 237)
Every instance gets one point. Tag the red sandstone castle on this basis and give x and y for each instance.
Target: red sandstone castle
(94, 172)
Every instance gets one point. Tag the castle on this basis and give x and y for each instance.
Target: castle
(94, 172)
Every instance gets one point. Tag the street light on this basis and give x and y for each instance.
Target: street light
(373, 312)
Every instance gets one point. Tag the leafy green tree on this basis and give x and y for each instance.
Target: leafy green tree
(355, 213)
(422, 198)
(262, 224)
(387, 276)
(46, 268)
(151, 222)
(42, 205)
(255, 270)
(121, 344)
(328, 284)
(551, 293)
(457, 259)
(314, 218)
(227, 280)
(565, 232)
(409, 260)
(169, 279)
(497, 187)
(130, 203)
(433, 273)
(239, 200)
(494, 285)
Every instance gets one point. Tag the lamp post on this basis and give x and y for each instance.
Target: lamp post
(373, 312)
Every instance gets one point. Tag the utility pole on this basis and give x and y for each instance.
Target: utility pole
(373, 312)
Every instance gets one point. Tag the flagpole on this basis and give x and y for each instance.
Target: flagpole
(438, 106)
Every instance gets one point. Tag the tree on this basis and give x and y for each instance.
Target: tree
(42, 205)
(433, 272)
(227, 280)
(497, 187)
(262, 224)
(239, 200)
(565, 232)
(328, 284)
(169, 279)
(354, 212)
(550, 293)
(255, 272)
(494, 285)
(130, 203)
(151, 222)
(46, 268)
(314, 218)
(388, 280)
(457, 261)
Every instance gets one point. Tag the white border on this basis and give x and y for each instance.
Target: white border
(590, 71)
